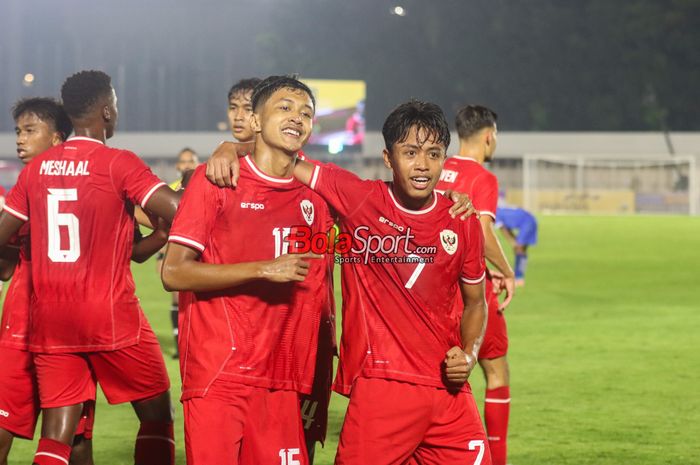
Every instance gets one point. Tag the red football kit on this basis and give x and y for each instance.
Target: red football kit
(399, 280)
(467, 176)
(244, 347)
(79, 197)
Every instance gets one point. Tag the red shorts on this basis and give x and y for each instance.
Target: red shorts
(314, 406)
(238, 424)
(495, 343)
(19, 397)
(133, 373)
(390, 422)
(19, 400)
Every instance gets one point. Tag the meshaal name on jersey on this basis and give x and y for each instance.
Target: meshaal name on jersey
(64, 168)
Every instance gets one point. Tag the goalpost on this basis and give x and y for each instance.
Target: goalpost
(608, 184)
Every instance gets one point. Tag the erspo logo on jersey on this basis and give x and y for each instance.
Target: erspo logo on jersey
(361, 246)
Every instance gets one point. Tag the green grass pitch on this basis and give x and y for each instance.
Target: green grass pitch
(604, 350)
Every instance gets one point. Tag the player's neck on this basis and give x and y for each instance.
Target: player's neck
(472, 151)
(92, 132)
(410, 203)
(274, 162)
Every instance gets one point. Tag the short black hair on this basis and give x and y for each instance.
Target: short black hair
(82, 90)
(473, 118)
(47, 110)
(187, 149)
(271, 84)
(426, 116)
(244, 85)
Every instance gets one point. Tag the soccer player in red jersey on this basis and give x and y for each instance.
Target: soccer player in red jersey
(240, 109)
(405, 356)
(314, 406)
(40, 123)
(86, 324)
(476, 126)
(250, 313)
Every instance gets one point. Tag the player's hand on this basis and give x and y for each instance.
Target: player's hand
(463, 204)
(507, 285)
(497, 279)
(288, 267)
(223, 167)
(458, 366)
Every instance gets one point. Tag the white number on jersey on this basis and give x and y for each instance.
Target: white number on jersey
(287, 457)
(281, 244)
(68, 220)
(480, 444)
(414, 277)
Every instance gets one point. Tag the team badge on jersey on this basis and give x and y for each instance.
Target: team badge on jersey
(448, 239)
(307, 209)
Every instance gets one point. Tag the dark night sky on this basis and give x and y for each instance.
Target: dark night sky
(543, 65)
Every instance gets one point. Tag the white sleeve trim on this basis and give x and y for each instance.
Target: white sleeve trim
(150, 193)
(15, 213)
(53, 456)
(186, 241)
(486, 212)
(474, 281)
(314, 177)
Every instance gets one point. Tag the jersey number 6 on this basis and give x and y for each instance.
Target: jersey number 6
(68, 220)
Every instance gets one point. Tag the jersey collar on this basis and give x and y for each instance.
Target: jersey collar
(88, 139)
(412, 212)
(264, 176)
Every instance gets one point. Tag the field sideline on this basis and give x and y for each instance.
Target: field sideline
(604, 350)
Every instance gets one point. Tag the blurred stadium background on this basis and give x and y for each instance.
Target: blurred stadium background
(599, 136)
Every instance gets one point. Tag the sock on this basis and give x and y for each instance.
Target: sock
(50, 452)
(155, 444)
(520, 265)
(496, 411)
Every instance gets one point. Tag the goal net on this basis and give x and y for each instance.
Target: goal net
(608, 184)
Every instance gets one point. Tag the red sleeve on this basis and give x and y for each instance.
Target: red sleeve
(485, 194)
(134, 178)
(343, 190)
(199, 207)
(474, 267)
(17, 203)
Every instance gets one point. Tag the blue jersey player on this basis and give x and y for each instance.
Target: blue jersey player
(520, 229)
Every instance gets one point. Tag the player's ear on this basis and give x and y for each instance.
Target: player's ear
(387, 158)
(255, 123)
(489, 137)
(106, 114)
(56, 138)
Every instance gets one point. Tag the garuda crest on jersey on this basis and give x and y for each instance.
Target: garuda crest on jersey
(307, 210)
(449, 241)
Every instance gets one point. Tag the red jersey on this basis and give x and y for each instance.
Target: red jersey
(79, 198)
(399, 280)
(468, 176)
(15, 310)
(260, 334)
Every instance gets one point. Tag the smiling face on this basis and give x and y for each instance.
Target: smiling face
(240, 109)
(416, 163)
(34, 136)
(285, 120)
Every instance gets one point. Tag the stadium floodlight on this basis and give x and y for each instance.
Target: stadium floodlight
(398, 10)
(28, 80)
